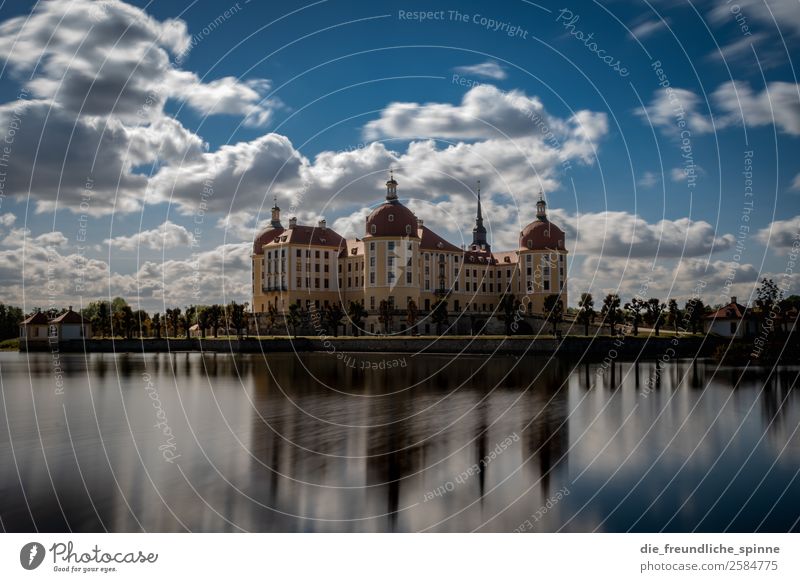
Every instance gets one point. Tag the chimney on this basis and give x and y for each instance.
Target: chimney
(733, 299)
(322, 224)
(419, 223)
(70, 308)
(292, 222)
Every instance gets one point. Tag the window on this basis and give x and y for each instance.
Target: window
(308, 253)
(456, 286)
(410, 247)
(390, 244)
(427, 305)
(372, 261)
(427, 285)
(326, 284)
(390, 261)
(546, 285)
(456, 306)
(467, 285)
(530, 244)
(372, 278)
(338, 268)
(409, 277)
(326, 255)
(326, 268)
(372, 244)
(372, 302)
(508, 273)
(299, 283)
(349, 281)
(427, 257)
(391, 218)
(298, 253)
(316, 283)
(373, 229)
(408, 231)
(390, 277)
(349, 267)
(316, 267)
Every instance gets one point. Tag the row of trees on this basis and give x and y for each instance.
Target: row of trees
(116, 318)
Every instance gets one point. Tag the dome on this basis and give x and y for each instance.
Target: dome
(391, 219)
(265, 236)
(541, 234)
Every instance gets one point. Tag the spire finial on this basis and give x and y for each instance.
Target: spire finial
(391, 186)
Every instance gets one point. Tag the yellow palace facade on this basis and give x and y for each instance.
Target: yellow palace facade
(400, 260)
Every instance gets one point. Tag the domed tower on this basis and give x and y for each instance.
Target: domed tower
(273, 230)
(542, 259)
(391, 247)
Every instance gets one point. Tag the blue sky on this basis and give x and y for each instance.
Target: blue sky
(312, 102)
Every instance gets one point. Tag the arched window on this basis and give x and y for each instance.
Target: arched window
(408, 229)
(373, 229)
(391, 218)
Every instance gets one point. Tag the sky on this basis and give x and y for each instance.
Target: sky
(142, 143)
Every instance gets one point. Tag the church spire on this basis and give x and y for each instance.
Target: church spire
(479, 232)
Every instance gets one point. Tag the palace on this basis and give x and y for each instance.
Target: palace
(399, 260)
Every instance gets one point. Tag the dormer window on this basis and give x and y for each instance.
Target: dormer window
(408, 229)
(391, 218)
(530, 244)
(373, 229)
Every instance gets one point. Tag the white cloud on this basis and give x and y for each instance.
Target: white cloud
(167, 236)
(8, 219)
(680, 174)
(671, 104)
(103, 72)
(778, 104)
(644, 28)
(780, 235)
(648, 180)
(487, 69)
(796, 183)
(621, 234)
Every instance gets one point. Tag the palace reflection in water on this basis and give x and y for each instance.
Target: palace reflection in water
(311, 442)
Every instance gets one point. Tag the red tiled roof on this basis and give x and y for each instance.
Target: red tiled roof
(729, 311)
(431, 241)
(37, 318)
(307, 235)
(265, 236)
(69, 317)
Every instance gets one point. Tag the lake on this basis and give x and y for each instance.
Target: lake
(394, 442)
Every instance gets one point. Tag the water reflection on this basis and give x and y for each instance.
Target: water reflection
(312, 442)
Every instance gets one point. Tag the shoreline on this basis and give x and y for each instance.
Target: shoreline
(584, 346)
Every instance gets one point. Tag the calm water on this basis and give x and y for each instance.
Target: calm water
(174, 442)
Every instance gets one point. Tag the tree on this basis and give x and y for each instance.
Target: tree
(586, 313)
(174, 320)
(334, 315)
(411, 315)
(141, 322)
(673, 314)
(386, 315)
(768, 297)
(294, 318)
(214, 315)
(272, 317)
(356, 313)
(10, 318)
(235, 313)
(695, 310)
(611, 312)
(439, 315)
(554, 311)
(509, 307)
(157, 324)
(189, 320)
(103, 318)
(635, 308)
(655, 313)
